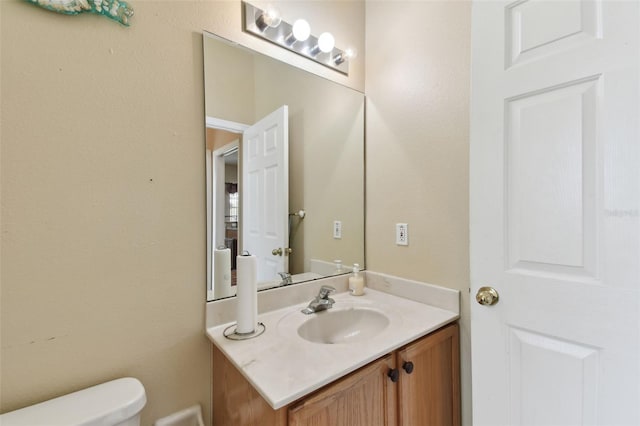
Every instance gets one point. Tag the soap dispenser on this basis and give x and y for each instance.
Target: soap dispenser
(356, 281)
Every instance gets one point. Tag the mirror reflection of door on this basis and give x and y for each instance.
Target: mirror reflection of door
(265, 194)
(247, 199)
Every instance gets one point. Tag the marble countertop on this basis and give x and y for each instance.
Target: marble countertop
(283, 367)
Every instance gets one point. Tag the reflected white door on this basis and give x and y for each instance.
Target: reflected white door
(265, 193)
(554, 212)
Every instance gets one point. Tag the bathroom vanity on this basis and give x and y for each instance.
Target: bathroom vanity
(390, 357)
(415, 385)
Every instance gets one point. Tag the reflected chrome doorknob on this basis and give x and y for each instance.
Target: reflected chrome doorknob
(487, 296)
(279, 251)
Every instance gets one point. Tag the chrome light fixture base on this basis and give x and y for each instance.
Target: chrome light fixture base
(282, 36)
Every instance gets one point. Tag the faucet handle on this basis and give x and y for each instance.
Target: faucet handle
(325, 291)
(286, 278)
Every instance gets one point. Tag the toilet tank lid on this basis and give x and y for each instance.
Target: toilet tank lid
(104, 404)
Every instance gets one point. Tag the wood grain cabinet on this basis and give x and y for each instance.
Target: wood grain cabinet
(429, 385)
(365, 397)
(414, 386)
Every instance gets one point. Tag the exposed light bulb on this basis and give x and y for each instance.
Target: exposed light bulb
(348, 54)
(301, 30)
(270, 17)
(273, 16)
(351, 53)
(326, 42)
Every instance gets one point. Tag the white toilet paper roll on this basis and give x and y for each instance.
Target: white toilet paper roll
(222, 274)
(247, 289)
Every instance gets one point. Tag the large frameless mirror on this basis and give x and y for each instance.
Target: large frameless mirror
(285, 170)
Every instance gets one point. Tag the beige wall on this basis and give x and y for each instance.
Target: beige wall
(228, 76)
(417, 85)
(231, 173)
(216, 138)
(103, 206)
(102, 166)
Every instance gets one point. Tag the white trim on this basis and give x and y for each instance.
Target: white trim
(223, 150)
(209, 181)
(229, 126)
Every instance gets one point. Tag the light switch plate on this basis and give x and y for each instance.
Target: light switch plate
(337, 229)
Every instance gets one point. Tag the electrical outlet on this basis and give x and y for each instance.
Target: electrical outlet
(402, 234)
(337, 229)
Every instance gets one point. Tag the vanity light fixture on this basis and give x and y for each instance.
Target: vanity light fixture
(268, 24)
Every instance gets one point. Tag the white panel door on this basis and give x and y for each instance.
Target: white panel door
(554, 212)
(265, 193)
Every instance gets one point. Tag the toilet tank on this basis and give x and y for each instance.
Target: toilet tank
(114, 403)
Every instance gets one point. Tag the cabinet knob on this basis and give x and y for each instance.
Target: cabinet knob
(408, 367)
(394, 374)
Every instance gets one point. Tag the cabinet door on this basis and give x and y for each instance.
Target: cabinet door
(366, 397)
(429, 392)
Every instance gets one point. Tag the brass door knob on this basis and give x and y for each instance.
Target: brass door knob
(487, 296)
(280, 251)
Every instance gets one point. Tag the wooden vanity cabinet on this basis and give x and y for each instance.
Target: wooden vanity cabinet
(416, 385)
(235, 400)
(365, 397)
(430, 393)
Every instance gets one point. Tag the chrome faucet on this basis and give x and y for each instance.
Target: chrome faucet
(321, 302)
(286, 278)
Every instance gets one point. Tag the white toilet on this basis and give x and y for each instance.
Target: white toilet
(115, 403)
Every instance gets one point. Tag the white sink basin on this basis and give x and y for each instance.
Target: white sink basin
(349, 325)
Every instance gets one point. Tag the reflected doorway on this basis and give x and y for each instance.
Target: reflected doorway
(223, 140)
